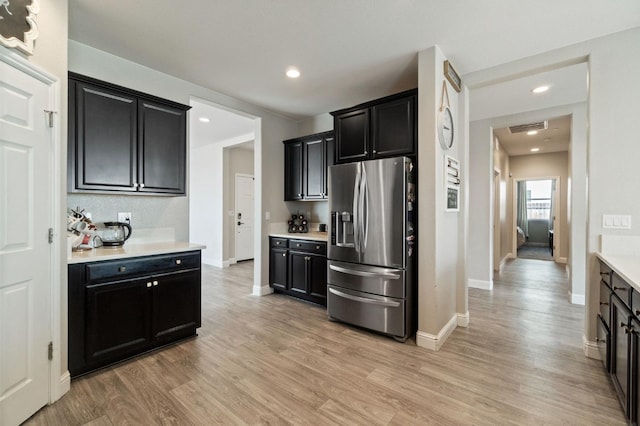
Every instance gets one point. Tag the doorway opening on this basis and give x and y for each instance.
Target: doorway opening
(535, 209)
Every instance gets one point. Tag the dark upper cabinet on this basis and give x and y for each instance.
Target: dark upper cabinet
(306, 162)
(293, 180)
(162, 148)
(121, 140)
(385, 127)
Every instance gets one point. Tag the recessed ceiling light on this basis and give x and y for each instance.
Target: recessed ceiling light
(532, 132)
(540, 89)
(535, 149)
(204, 119)
(293, 73)
(547, 139)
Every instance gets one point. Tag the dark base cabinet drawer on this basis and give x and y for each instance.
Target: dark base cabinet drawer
(126, 268)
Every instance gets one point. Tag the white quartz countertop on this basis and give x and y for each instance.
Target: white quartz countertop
(132, 250)
(627, 267)
(312, 235)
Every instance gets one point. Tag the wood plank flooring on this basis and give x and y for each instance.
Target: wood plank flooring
(276, 360)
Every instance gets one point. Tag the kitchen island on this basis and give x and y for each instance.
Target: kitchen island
(128, 300)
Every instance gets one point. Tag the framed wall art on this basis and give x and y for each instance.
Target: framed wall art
(18, 28)
(452, 182)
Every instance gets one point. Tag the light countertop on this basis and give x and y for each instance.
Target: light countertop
(312, 235)
(132, 250)
(627, 267)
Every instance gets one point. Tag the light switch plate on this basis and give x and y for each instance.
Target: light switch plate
(616, 221)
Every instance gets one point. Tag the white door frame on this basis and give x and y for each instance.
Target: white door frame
(235, 209)
(557, 231)
(59, 378)
(497, 243)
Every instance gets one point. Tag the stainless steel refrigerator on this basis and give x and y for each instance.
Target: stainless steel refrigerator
(372, 246)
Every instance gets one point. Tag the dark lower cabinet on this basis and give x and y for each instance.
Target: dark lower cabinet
(299, 268)
(618, 338)
(121, 308)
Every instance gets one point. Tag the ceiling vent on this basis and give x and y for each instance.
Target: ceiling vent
(540, 125)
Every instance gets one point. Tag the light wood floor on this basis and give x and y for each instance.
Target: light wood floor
(276, 360)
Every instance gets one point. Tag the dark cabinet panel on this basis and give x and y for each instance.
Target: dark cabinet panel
(293, 183)
(620, 349)
(317, 277)
(394, 128)
(176, 304)
(117, 320)
(315, 169)
(278, 268)
(123, 140)
(162, 136)
(385, 127)
(106, 139)
(298, 272)
(352, 136)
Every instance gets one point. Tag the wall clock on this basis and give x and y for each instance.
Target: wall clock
(18, 24)
(445, 125)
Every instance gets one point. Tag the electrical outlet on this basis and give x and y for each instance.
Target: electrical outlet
(124, 217)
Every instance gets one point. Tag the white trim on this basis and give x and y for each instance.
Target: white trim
(481, 284)
(435, 342)
(562, 260)
(576, 299)
(57, 388)
(262, 290)
(463, 319)
(26, 46)
(590, 349)
(231, 261)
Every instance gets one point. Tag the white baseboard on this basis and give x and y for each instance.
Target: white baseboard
(512, 256)
(231, 261)
(463, 319)
(562, 260)
(213, 262)
(62, 387)
(590, 349)
(262, 290)
(435, 342)
(483, 285)
(576, 299)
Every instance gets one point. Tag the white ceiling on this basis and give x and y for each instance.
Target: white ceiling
(223, 125)
(555, 138)
(348, 51)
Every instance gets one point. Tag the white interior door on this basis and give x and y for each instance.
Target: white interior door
(25, 253)
(244, 217)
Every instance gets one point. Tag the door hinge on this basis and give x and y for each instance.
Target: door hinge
(50, 115)
(50, 351)
(50, 235)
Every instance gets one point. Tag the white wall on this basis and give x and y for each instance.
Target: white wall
(438, 230)
(501, 162)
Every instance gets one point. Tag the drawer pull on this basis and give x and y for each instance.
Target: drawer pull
(122, 269)
(317, 247)
(598, 340)
(277, 243)
(637, 312)
(148, 285)
(155, 283)
(604, 304)
(178, 262)
(619, 288)
(284, 254)
(298, 245)
(604, 274)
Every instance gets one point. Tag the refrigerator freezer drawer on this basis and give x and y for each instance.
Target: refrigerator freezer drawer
(370, 279)
(383, 314)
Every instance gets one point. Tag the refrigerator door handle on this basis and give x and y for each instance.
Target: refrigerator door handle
(390, 276)
(364, 299)
(356, 208)
(364, 208)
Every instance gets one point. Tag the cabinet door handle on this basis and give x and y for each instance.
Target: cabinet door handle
(135, 184)
(178, 261)
(366, 152)
(374, 151)
(155, 283)
(142, 185)
(298, 245)
(606, 304)
(600, 340)
(148, 285)
(299, 195)
(317, 247)
(277, 243)
(284, 254)
(637, 312)
(122, 269)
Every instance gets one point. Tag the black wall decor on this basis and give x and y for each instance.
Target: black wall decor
(18, 24)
